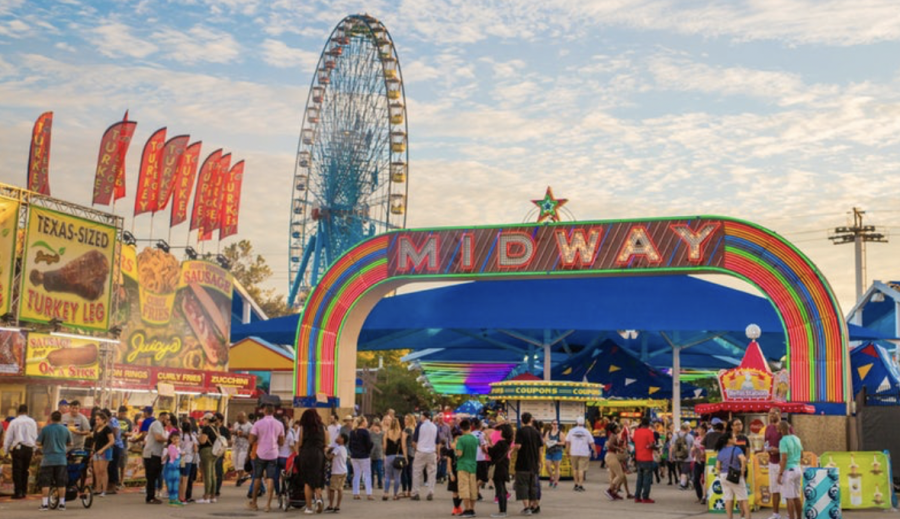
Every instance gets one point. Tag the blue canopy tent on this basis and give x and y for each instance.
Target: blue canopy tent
(621, 373)
(470, 407)
(705, 320)
(875, 371)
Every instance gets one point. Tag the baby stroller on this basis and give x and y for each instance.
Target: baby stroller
(77, 467)
(291, 492)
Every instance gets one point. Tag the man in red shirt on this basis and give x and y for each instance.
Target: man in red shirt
(644, 447)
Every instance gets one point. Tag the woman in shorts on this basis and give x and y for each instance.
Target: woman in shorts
(103, 444)
(555, 441)
(732, 457)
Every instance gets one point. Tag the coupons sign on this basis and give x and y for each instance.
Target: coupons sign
(67, 272)
(9, 223)
(50, 356)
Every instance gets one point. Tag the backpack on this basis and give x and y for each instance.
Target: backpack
(680, 448)
(219, 446)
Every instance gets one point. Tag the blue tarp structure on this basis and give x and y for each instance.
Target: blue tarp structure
(471, 408)
(512, 320)
(875, 370)
(621, 373)
(510, 315)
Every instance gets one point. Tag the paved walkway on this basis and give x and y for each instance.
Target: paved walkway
(559, 503)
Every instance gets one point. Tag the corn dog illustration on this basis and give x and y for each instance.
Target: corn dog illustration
(80, 356)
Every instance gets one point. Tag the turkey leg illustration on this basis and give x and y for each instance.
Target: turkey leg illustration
(85, 276)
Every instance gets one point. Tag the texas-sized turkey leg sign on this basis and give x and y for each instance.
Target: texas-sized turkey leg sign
(75, 289)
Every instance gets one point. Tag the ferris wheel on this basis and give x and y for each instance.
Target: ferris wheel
(350, 178)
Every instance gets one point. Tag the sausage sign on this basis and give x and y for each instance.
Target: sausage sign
(67, 271)
(51, 356)
(173, 314)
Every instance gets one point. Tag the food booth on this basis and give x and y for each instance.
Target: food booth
(547, 401)
(749, 391)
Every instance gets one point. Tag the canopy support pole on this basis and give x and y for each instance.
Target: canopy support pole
(531, 359)
(548, 353)
(676, 388)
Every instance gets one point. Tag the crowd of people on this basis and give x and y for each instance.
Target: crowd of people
(656, 451)
(405, 456)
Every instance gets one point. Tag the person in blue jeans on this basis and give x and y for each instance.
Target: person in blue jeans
(644, 447)
(377, 456)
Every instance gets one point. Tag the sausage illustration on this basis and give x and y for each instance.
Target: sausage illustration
(44, 257)
(81, 356)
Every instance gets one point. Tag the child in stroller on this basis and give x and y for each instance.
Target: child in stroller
(291, 492)
(77, 471)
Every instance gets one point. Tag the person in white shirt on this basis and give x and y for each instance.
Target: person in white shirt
(334, 430)
(284, 451)
(240, 431)
(425, 443)
(19, 443)
(579, 443)
(337, 455)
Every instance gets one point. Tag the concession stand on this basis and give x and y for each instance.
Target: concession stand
(272, 365)
(547, 401)
(749, 391)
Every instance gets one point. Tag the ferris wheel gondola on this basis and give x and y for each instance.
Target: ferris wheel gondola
(351, 176)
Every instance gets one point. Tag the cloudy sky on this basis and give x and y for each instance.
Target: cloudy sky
(782, 112)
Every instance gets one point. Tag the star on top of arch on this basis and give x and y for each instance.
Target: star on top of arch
(549, 206)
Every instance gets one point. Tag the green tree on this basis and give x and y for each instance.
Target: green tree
(399, 387)
(251, 270)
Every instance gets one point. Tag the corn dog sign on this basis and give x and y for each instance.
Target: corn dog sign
(50, 356)
(67, 272)
(9, 222)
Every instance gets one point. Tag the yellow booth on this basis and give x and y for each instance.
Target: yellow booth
(547, 401)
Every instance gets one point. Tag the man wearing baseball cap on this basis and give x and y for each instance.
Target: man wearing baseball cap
(579, 442)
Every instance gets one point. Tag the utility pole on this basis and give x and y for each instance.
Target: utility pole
(858, 235)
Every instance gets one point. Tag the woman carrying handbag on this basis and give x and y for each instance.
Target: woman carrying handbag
(730, 465)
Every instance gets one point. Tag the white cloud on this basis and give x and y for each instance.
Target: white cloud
(114, 39)
(830, 22)
(418, 70)
(780, 87)
(197, 45)
(15, 28)
(6, 68)
(65, 46)
(280, 55)
(8, 7)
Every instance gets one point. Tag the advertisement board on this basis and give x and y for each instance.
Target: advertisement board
(66, 270)
(9, 223)
(51, 356)
(864, 478)
(715, 497)
(173, 314)
(822, 493)
(126, 376)
(760, 475)
(12, 352)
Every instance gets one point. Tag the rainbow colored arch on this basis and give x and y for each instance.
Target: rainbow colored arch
(815, 330)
